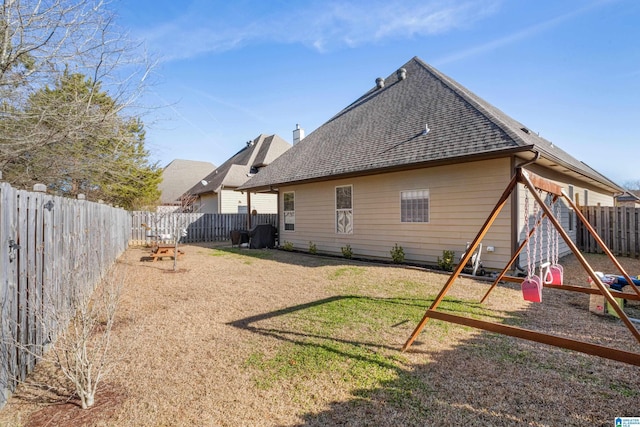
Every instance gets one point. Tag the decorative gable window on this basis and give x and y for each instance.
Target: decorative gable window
(414, 206)
(289, 210)
(344, 209)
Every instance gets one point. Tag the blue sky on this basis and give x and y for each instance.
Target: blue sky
(231, 70)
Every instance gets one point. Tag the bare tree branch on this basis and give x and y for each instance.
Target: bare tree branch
(39, 40)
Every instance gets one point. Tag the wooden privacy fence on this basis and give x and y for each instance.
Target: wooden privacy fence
(200, 227)
(50, 249)
(619, 228)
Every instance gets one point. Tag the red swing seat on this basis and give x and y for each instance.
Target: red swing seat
(556, 272)
(532, 289)
(551, 274)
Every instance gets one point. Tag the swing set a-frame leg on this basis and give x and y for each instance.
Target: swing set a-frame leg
(604, 246)
(532, 184)
(467, 256)
(585, 264)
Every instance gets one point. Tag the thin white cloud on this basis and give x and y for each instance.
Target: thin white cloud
(517, 36)
(319, 24)
(245, 111)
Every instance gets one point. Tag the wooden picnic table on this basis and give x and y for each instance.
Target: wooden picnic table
(165, 250)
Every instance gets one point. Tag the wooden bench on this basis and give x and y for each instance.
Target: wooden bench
(164, 250)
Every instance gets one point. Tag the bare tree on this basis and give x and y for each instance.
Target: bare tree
(170, 226)
(41, 39)
(187, 205)
(77, 321)
(633, 186)
(81, 351)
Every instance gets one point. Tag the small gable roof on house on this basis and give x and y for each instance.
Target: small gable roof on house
(180, 175)
(237, 169)
(416, 117)
(629, 196)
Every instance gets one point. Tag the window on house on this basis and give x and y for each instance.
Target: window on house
(414, 206)
(344, 209)
(289, 211)
(571, 193)
(586, 198)
(571, 219)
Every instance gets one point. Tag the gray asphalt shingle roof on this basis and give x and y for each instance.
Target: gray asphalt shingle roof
(383, 129)
(233, 173)
(180, 175)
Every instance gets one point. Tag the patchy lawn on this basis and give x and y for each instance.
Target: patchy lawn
(273, 338)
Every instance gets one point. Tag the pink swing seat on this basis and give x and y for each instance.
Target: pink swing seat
(551, 274)
(556, 272)
(532, 289)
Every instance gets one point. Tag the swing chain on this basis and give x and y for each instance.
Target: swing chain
(547, 221)
(528, 226)
(556, 234)
(534, 258)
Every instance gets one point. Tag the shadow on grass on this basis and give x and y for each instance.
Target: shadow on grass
(484, 379)
(305, 259)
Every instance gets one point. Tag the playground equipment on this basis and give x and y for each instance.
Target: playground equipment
(534, 185)
(474, 265)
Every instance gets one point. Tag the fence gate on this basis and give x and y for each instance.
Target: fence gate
(49, 247)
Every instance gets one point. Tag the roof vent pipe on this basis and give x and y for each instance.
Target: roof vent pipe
(401, 73)
(379, 82)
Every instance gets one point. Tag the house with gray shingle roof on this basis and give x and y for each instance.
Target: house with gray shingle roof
(630, 198)
(418, 160)
(216, 192)
(178, 176)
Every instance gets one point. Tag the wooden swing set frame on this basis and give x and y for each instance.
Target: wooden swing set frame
(533, 182)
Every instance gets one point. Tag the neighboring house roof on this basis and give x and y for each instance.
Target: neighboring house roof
(180, 175)
(384, 130)
(237, 170)
(629, 196)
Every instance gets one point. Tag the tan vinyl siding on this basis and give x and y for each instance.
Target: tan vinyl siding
(230, 200)
(264, 203)
(459, 204)
(208, 203)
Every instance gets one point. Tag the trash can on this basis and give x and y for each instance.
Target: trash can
(239, 237)
(235, 237)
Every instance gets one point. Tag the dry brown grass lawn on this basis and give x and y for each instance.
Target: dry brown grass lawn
(272, 338)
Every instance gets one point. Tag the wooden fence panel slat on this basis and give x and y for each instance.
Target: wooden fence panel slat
(619, 228)
(22, 338)
(8, 285)
(32, 314)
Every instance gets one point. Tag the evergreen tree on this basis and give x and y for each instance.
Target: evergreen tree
(91, 148)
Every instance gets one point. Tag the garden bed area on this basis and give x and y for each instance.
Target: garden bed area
(275, 338)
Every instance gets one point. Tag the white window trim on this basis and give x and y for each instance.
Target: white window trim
(284, 216)
(428, 208)
(336, 210)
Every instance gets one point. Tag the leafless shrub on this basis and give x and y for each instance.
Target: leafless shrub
(75, 325)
